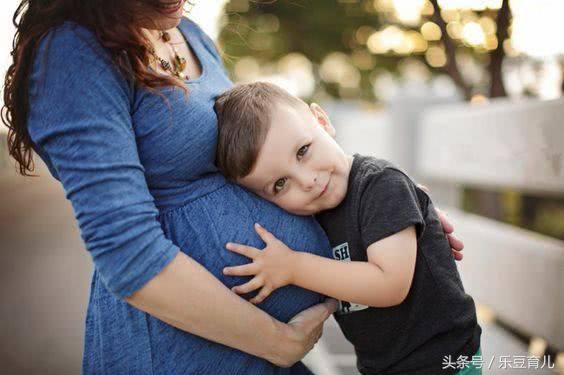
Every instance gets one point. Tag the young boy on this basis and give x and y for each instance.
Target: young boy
(406, 311)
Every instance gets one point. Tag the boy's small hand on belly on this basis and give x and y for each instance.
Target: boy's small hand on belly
(271, 267)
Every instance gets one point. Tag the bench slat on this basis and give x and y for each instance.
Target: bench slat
(515, 144)
(518, 273)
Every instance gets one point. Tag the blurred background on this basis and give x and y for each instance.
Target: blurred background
(465, 95)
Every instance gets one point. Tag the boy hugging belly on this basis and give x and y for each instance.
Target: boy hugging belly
(403, 304)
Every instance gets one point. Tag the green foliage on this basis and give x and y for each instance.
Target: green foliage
(270, 30)
(311, 27)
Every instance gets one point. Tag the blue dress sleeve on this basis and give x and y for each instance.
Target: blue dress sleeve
(80, 123)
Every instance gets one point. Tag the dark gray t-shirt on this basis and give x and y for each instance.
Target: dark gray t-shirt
(437, 318)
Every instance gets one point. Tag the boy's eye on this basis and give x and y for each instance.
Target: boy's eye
(303, 150)
(279, 185)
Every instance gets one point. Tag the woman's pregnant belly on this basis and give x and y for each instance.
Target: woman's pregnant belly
(201, 230)
(203, 227)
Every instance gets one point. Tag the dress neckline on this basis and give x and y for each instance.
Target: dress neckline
(194, 46)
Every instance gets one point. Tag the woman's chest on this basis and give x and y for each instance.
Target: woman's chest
(176, 133)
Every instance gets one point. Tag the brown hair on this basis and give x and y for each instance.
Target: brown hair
(115, 24)
(243, 120)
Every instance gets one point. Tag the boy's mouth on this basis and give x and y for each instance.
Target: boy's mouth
(324, 189)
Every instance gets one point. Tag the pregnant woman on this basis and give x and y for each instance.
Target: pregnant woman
(117, 98)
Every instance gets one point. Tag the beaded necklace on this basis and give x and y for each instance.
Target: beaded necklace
(178, 63)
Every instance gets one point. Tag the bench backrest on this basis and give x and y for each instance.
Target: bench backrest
(504, 144)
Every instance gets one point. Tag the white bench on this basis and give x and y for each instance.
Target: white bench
(518, 145)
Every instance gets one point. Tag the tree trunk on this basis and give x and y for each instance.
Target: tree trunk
(488, 203)
(497, 89)
(451, 67)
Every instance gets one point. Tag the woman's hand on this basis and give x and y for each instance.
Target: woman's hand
(271, 267)
(302, 332)
(232, 321)
(455, 244)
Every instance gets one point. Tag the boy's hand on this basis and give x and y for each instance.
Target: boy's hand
(271, 267)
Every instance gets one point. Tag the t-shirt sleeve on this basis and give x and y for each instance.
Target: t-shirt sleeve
(389, 204)
(79, 121)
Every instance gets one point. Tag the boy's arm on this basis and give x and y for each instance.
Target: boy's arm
(381, 282)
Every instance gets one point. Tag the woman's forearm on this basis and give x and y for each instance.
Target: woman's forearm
(185, 295)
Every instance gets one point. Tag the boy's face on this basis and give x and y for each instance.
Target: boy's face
(300, 167)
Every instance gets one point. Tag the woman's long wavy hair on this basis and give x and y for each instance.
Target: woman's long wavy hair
(116, 25)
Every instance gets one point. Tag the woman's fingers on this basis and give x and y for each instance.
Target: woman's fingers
(315, 315)
(457, 255)
(455, 243)
(310, 321)
(248, 287)
(264, 292)
(331, 305)
(244, 270)
(265, 235)
(308, 325)
(248, 251)
(424, 188)
(319, 334)
(445, 222)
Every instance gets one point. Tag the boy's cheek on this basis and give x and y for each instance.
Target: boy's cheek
(294, 207)
(286, 203)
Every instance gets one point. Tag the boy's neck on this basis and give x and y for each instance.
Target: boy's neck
(350, 159)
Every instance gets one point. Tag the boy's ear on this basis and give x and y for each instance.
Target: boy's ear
(322, 119)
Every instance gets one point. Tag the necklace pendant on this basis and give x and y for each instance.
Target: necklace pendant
(174, 66)
(179, 63)
(165, 65)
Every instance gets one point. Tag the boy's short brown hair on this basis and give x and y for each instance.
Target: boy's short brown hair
(243, 117)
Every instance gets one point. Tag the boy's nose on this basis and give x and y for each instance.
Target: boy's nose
(308, 181)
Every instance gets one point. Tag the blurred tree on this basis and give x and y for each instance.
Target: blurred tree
(269, 30)
(496, 55)
(312, 27)
(376, 35)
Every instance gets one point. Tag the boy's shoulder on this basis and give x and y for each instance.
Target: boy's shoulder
(379, 180)
(368, 168)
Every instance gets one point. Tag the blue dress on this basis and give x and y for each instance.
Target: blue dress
(139, 171)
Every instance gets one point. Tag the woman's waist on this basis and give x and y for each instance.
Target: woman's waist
(182, 193)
